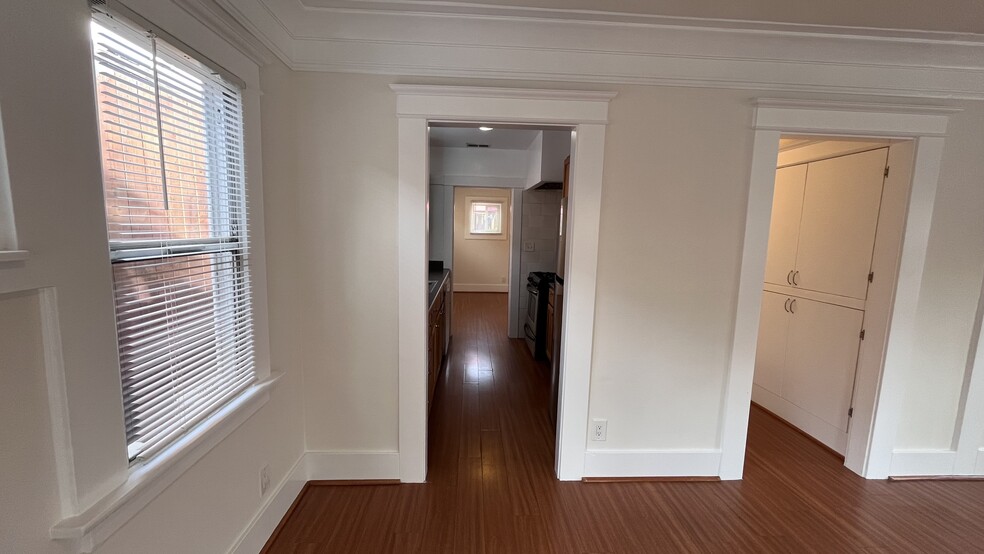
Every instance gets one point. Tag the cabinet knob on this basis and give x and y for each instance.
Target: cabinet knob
(795, 273)
(792, 306)
(789, 277)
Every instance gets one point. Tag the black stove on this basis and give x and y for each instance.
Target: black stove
(537, 286)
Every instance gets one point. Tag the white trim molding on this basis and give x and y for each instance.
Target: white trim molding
(969, 431)
(338, 466)
(881, 378)
(584, 111)
(92, 527)
(922, 463)
(264, 523)
(648, 463)
(473, 40)
(479, 287)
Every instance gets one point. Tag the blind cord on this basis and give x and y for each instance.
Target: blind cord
(160, 122)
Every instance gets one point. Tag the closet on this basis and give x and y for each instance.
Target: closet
(818, 267)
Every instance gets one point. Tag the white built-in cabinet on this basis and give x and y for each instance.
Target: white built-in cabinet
(824, 218)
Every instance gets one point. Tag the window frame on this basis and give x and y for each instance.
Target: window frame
(220, 316)
(504, 209)
(99, 491)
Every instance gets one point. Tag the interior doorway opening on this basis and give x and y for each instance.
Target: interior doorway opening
(496, 229)
(838, 212)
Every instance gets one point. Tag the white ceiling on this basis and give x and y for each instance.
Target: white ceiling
(503, 139)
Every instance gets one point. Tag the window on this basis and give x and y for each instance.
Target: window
(171, 136)
(486, 218)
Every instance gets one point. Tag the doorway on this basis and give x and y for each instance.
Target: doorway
(833, 244)
(586, 112)
(877, 393)
(495, 389)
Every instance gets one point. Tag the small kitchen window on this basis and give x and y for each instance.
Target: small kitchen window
(485, 218)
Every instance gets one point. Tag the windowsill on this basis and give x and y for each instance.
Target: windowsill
(147, 480)
(14, 255)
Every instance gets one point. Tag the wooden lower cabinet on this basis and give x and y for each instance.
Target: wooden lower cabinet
(437, 331)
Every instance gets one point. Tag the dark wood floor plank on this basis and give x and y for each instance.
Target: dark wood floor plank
(491, 486)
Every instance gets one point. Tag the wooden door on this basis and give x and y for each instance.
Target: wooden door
(837, 231)
(787, 204)
(770, 355)
(821, 362)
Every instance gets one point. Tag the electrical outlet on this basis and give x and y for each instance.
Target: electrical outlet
(599, 429)
(529, 246)
(264, 479)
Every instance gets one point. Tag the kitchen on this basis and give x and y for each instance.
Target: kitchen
(496, 233)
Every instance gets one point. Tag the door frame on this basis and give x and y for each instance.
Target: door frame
(587, 113)
(880, 383)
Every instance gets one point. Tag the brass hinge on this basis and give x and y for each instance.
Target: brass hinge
(850, 412)
(886, 170)
(862, 334)
(871, 276)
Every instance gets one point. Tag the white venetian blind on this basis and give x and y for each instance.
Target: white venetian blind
(172, 151)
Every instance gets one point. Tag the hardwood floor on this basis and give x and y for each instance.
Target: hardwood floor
(491, 486)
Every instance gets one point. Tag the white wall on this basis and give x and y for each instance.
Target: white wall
(52, 148)
(947, 306)
(31, 502)
(346, 237)
(541, 225)
(676, 180)
(479, 167)
(481, 264)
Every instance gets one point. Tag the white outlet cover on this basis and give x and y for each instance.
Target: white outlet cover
(529, 246)
(599, 429)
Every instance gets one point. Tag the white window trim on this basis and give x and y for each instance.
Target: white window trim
(502, 201)
(147, 480)
(85, 524)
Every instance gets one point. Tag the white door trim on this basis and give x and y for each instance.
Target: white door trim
(969, 439)
(587, 113)
(880, 402)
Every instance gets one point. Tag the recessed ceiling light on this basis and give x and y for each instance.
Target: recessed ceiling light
(485, 128)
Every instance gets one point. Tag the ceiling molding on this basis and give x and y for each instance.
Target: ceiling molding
(436, 39)
(229, 28)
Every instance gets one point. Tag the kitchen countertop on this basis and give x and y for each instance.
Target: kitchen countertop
(440, 277)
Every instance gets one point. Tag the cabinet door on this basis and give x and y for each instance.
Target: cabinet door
(821, 361)
(770, 355)
(787, 204)
(840, 214)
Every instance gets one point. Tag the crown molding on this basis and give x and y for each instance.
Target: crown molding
(436, 39)
(515, 93)
(228, 28)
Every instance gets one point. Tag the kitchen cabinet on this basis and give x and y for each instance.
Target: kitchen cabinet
(823, 223)
(438, 321)
(551, 296)
(806, 364)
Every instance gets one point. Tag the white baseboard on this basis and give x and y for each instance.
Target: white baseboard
(255, 535)
(313, 466)
(922, 462)
(339, 466)
(480, 288)
(652, 463)
(979, 468)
